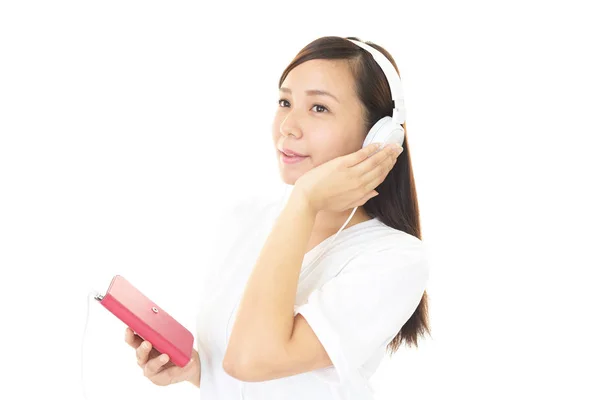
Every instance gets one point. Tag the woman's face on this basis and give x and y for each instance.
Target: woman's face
(317, 125)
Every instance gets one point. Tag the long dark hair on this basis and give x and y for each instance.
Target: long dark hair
(396, 205)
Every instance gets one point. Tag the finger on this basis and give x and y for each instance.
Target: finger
(142, 353)
(388, 153)
(373, 178)
(153, 366)
(168, 376)
(132, 339)
(361, 155)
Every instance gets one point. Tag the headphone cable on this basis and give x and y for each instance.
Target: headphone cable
(97, 296)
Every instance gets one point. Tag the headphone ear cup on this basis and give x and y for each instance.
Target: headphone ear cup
(385, 131)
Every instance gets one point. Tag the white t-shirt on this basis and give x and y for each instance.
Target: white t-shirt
(356, 298)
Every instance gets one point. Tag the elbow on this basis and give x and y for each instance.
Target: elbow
(230, 368)
(245, 369)
(237, 367)
(233, 361)
(248, 366)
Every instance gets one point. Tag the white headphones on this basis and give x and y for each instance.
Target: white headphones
(387, 129)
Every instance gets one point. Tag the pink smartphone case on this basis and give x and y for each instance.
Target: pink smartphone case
(149, 321)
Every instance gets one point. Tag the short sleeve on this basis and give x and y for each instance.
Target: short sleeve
(364, 307)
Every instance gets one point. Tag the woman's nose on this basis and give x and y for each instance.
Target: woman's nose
(289, 129)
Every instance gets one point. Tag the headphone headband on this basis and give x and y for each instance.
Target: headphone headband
(399, 114)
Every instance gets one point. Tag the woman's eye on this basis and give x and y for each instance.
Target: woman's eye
(316, 105)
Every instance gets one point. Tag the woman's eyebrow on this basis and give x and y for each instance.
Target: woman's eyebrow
(313, 92)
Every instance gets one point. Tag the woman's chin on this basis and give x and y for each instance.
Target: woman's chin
(291, 172)
(289, 178)
(289, 181)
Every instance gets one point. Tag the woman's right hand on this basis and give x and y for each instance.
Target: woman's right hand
(162, 372)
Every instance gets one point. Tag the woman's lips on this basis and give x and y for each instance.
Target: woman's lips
(290, 159)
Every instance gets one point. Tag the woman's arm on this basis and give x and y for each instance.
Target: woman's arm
(195, 380)
(195, 376)
(265, 318)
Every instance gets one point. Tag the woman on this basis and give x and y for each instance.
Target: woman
(274, 323)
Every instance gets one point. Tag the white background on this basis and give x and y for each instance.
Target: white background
(126, 127)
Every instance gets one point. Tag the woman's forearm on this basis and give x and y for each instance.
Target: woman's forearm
(265, 317)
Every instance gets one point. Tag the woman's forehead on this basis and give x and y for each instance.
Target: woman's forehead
(333, 76)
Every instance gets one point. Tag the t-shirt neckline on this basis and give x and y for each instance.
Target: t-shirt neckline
(344, 231)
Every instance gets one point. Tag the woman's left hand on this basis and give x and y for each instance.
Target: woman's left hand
(347, 181)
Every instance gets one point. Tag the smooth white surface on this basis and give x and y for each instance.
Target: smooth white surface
(124, 125)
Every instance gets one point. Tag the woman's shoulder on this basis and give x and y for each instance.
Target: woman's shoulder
(250, 209)
(395, 243)
(386, 236)
(254, 205)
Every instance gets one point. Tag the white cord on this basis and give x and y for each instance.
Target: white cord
(91, 295)
(332, 240)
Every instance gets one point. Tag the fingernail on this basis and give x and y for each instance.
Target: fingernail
(163, 358)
